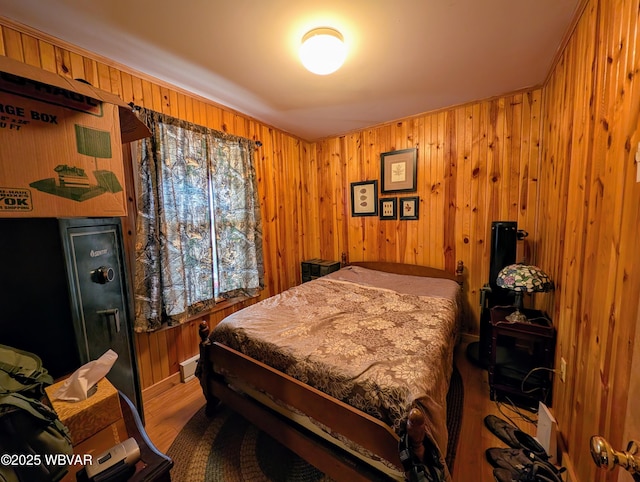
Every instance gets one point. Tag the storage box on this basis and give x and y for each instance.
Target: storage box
(316, 267)
(87, 417)
(61, 145)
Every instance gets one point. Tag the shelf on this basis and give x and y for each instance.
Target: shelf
(516, 349)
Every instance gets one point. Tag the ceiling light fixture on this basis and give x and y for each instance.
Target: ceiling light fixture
(323, 50)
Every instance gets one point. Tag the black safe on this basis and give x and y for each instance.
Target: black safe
(64, 295)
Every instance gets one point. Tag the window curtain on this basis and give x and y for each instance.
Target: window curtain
(199, 234)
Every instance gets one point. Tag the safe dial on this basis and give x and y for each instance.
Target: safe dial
(103, 275)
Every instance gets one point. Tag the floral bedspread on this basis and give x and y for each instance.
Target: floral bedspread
(376, 349)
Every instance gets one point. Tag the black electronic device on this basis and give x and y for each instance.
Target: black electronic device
(504, 238)
(114, 465)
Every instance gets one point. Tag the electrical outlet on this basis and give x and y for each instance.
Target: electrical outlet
(563, 369)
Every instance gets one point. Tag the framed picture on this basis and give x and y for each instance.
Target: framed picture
(398, 170)
(409, 207)
(364, 198)
(389, 208)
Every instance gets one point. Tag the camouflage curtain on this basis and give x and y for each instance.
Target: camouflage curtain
(199, 235)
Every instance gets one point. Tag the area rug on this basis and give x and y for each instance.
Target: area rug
(227, 448)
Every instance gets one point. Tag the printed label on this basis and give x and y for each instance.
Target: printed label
(15, 199)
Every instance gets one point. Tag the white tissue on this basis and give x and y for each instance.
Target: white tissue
(75, 388)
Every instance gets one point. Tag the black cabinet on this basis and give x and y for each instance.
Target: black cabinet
(64, 295)
(521, 357)
(315, 268)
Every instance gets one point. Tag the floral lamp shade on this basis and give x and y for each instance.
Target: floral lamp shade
(522, 278)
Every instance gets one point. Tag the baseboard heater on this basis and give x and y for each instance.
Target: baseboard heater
(188, 368)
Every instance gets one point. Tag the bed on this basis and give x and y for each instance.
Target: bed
(350, 370)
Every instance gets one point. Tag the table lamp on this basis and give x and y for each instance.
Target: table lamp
(522, 278)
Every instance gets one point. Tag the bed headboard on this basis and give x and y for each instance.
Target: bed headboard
(413, 269)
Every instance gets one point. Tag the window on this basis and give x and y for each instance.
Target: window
(199, 235)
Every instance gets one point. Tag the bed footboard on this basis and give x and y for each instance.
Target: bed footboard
(363, 429)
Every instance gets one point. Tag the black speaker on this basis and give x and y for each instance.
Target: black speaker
(504, 237)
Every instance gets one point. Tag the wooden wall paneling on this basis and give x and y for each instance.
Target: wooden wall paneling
(282, 214)
(463, 182)
(268, 210)
(310, 214)
(511, 159)
(592, 349)
(351, 152)
(126, 87)
(115, 82)
(172, 105)
(143, 355)
(476, 264)
(620, 325)
(47, 56)
(585, 389)
(3, 50)
(591, 127)
(427, 216)
(173, 349)
(90, 69)
(76, 65)
(354, 246)
(419, 230)
(13, 44)
(569, 167)
(31, 50)
(628, 427)
(291, 206)
(280, 220)
(440, 170)
(610, 327)
(449, 185)
(529, 202)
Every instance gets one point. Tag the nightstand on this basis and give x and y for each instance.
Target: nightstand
(516, 349)
(315, 268)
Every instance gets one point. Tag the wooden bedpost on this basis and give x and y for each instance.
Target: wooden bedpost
(204, 370)
(417, 432)
(460, 272)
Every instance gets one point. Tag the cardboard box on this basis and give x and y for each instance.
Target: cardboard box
(87, 417)
(61, 145)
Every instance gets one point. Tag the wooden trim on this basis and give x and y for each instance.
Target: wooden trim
(160, 387)
(411, 269)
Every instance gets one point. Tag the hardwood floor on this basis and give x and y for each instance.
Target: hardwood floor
(167, 413)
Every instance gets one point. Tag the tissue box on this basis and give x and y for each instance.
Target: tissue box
(88, 417)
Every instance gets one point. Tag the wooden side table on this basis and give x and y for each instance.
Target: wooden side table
(516, 350)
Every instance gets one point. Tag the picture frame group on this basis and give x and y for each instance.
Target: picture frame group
(398, 173)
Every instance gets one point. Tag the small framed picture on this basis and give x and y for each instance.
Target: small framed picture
(389, 208)
(398, 170)
(409, 207)
(364, 198)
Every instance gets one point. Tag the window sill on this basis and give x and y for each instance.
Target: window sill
(221, 306)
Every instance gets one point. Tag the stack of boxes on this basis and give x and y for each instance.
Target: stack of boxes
(315, 268)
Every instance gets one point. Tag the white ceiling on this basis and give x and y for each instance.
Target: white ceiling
(405, 56)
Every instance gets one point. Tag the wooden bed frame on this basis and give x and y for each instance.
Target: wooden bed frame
(352, 423)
